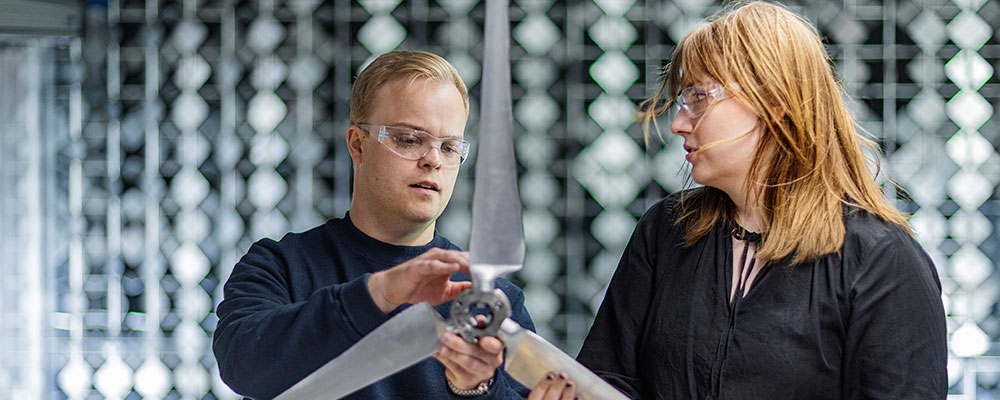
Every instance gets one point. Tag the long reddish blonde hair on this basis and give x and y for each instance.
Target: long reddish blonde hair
(810, 160)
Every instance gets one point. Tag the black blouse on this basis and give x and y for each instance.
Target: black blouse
(865, 323)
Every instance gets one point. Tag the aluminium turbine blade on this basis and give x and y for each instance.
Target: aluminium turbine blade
(398, 343)
(496, 245)
(530, 357)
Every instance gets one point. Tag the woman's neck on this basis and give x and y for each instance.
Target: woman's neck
(749, 213)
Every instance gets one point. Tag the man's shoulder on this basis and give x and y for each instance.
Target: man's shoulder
(330, 227)
(443, 242)
(294, 242)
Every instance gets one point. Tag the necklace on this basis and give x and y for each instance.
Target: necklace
(739, 233)
(742, 234)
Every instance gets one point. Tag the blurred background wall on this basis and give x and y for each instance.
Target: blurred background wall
(140, 158)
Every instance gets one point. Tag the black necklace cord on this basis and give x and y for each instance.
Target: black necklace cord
(742, 234)
(739, 233)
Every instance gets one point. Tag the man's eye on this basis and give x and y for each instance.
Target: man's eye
(451, 147)
(407, 140)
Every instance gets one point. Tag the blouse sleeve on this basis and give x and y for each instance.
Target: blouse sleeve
(896, 338)
(611, 347)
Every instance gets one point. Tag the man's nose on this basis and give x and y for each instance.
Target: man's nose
(432, 159)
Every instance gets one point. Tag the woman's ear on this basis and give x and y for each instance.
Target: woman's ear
(776, 116)
(355, 138)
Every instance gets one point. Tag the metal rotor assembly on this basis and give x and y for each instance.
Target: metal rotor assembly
(475, 314)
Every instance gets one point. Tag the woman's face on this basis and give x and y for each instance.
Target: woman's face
(720, 135)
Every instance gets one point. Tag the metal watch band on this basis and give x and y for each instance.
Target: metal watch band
(480, 389)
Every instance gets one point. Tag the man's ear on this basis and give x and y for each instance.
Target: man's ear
(355, 137)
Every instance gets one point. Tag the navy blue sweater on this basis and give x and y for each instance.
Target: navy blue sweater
(293, 305)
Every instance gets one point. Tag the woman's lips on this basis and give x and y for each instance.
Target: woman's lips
(690, 151)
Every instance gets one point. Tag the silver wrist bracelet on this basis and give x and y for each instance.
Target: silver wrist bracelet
(480, 389)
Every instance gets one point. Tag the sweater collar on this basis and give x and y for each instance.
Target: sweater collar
(381, 252)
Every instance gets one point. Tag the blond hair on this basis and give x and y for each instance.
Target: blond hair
(809, 161)
(396, 65)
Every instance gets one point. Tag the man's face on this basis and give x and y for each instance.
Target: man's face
(412, 191)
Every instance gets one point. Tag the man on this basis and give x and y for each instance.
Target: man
(291, 306)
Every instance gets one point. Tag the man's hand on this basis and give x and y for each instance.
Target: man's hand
(554, 387)
(424, 278)
(467, 364)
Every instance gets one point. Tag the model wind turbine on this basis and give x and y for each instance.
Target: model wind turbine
(496, 249)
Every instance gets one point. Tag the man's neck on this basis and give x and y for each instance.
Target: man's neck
(394, 232)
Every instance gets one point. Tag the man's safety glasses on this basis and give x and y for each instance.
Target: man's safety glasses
(412, 144)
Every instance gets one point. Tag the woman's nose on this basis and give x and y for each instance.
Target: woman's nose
(681, 124)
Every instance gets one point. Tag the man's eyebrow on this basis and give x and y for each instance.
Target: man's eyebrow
(417, 128)
(407, 125)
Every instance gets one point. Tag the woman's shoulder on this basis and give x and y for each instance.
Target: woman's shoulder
(864, 227)
(872, 241)
(660, 221)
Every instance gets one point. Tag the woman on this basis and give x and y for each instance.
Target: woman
(787, 275)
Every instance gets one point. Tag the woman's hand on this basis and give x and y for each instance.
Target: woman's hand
(554, 387)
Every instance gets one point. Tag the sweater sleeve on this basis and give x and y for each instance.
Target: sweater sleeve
(611, 348)
(265, 342)
(896, 340)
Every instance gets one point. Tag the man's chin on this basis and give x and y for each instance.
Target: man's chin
(421, 216)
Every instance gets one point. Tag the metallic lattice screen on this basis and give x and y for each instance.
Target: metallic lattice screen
(140, 161)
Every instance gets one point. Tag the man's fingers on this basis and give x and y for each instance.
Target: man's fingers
(433, 267)
(447, 256)
(472, 365)
(463, 371)
(459, 345)
(455, 288)
(447, 357)
(488, 348)
(453, 371)
(491, 345)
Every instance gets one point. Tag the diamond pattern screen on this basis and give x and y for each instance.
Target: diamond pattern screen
(140, 161)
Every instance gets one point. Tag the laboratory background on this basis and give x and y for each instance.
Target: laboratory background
(145, 145)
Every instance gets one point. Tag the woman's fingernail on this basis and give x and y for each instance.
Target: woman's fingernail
(563, 376)
(569, 384)
(549, 376)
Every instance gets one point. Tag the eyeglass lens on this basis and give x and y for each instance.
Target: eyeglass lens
(693, 100)
(414, 145)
